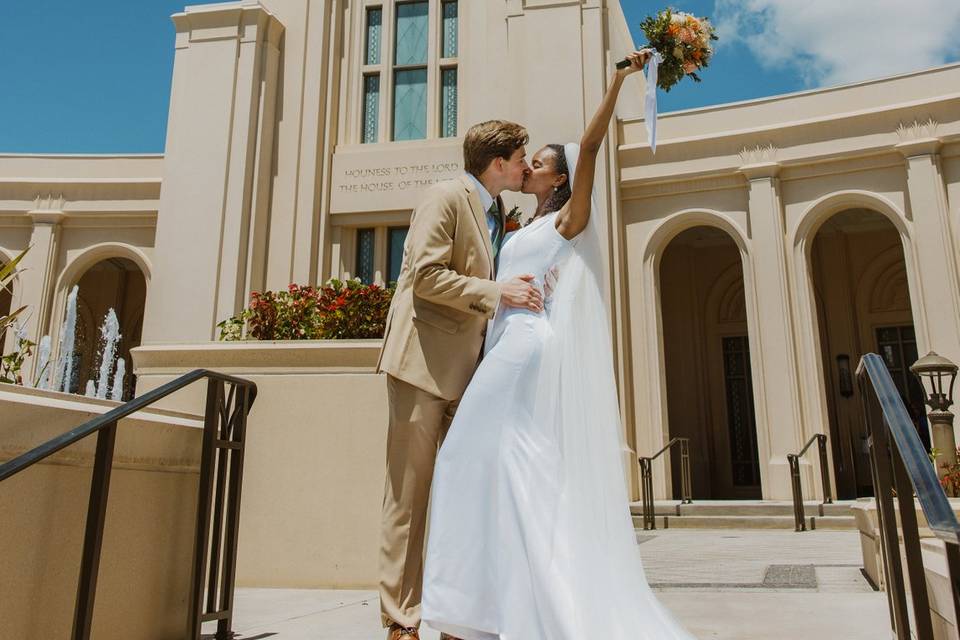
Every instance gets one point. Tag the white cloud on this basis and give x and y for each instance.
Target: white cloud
(838, 41)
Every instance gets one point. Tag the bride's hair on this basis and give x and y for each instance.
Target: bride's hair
(561, 194)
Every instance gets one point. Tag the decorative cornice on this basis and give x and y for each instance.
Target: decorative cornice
(47, 210)
(918, 138)
(759, 162)
(778, 128)
(759, 154)
(247, 22)
(917, 130)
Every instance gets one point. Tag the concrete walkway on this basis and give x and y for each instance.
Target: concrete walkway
(744, 585)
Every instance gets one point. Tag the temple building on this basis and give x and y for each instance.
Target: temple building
(753, 259)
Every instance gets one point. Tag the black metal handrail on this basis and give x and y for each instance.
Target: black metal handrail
(800, 523)
(900, 465)
(215, 542)
(646, 480)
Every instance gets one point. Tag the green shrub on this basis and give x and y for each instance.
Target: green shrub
(338, 310)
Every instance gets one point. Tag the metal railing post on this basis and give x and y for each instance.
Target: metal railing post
(887, 519)
(824, 469)
(93, 534)
(686, 483)
(911, 546)
(799, 519)
(646, 484)
(238, 436)
(211, 416)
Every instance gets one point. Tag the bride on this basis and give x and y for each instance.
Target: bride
(530, 531)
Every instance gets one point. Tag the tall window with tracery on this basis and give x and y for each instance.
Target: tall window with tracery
(409, 77)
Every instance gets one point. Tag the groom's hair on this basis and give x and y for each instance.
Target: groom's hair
(489, 140)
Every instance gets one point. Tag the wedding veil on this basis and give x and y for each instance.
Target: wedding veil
(593, 535)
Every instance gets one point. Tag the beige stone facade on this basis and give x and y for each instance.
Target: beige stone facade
(765, 247)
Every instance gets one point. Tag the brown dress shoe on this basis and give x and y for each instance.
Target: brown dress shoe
(447, 636)
(396, 632)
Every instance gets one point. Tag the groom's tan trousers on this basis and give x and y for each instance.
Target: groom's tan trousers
(418, 424)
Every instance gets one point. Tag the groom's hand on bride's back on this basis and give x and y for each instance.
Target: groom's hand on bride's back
(520, 292)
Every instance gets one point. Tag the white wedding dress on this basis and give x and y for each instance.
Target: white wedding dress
(530, 535)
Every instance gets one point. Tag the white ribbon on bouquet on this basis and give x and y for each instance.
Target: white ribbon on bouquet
(650, 101)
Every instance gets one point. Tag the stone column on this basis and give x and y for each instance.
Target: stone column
(216, 169)
(38, 273)
(933, 243)
(773, 352)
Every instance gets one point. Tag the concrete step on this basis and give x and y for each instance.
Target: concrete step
(744, 508)
(747, 514)
(832, 523)
(835, 523)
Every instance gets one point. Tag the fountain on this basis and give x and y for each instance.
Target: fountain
(117, 392)
(62, 376)
(64, 371)
(110, 332)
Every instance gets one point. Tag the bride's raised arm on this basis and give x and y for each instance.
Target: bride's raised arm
(573, 217)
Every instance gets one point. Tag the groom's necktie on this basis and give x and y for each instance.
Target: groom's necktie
(496, 237)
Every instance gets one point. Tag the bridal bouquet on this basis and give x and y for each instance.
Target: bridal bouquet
(683, 41)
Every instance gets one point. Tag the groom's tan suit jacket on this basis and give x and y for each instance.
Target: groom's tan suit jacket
(445, 293)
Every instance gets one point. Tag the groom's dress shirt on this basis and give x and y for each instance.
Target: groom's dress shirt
(494, 220)
(486, 201)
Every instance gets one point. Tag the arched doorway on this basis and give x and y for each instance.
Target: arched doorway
(863, 305)
(707, 358)
(112, 283)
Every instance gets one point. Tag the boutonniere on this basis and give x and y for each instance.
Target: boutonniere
(515, 219)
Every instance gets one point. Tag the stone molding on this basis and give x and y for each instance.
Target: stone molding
(255, 356)
(246, 22)
(691, 185)
(158, 440)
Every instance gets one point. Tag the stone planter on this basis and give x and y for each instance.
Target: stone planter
(314, 461)
(147, 555)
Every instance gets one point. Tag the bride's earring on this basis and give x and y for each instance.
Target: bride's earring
(556, 189)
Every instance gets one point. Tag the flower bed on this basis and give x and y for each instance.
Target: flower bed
(337, 310)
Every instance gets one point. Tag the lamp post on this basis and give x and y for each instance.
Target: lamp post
(937, 375)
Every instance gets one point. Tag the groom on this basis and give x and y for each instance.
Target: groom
(445, 295)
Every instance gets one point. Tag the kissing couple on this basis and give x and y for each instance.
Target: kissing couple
(502, 397)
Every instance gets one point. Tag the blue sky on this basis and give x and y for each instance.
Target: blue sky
(734, 74)
(94, 77)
